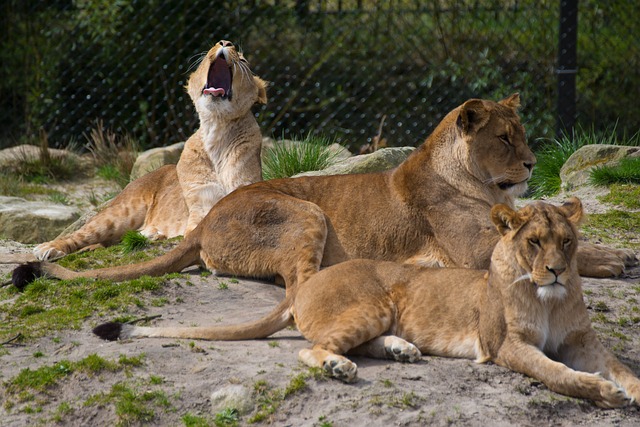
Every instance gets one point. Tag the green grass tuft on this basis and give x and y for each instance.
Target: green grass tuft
(133, 241)
(626, 172)
(284, 160)
(227, 418)
(552, 155)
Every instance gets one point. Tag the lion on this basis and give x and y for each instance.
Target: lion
(432, 210)
(222, 155)
(525, 313)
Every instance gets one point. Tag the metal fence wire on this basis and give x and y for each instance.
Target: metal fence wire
(335, 67)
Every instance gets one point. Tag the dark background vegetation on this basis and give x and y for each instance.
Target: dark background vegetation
(336, 67)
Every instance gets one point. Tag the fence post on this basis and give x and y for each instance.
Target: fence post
(567, 66)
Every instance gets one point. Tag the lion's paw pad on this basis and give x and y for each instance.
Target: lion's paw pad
(341, 368)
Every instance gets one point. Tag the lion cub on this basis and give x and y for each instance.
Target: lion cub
(222, 155)
(525, 313)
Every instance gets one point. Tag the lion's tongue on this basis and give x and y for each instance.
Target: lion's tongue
(214, 91)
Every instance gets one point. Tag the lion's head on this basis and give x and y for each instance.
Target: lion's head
(494, 147)
(539, 243)
(224, 84)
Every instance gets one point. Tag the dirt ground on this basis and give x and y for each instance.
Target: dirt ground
(435, 391)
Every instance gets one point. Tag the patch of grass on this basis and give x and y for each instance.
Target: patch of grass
(626, 172)
(133, 240)
(46, 167)
(132, 406)
(269, 399)
(222, 285)
(553, 154)
(47, 377)
(227, 418)
(287, 159)
(62, 411)
(614, 226)
(113, 154)
(624, 195)
(46, 306)
(191, 420)
(16, 186)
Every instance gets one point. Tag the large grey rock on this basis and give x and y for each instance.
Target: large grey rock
(577, 169)
(33, 222)
(152, 159)
(233, 396)
(379, 161)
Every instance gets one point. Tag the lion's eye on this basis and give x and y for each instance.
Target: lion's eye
(504, 139)
(534, 242)
(566, 243)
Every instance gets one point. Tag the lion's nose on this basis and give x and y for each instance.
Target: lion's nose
(528, 165)
(556, 270)
(226, 43)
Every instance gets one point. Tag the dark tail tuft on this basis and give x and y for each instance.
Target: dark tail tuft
(25, 274)
(109, 331)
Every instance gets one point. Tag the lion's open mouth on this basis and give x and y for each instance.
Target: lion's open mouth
(219, 79)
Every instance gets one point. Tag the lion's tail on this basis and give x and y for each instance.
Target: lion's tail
(187, 253)
(278, 319)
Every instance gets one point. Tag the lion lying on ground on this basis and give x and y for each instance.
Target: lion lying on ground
(222, 155)
(529, 304)
(432, 210)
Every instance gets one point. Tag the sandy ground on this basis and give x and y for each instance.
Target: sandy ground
(435, 391)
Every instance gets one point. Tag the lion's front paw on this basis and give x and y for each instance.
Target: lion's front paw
(47, 252)
(341, 368)
(401, 350)
(612, 396)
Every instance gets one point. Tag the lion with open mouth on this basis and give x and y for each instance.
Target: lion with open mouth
(222, 155)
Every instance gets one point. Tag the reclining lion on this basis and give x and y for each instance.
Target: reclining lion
(432, 210)
(527, 306)
(221, 156)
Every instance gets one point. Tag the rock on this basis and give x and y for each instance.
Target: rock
(33, 222)
(26, 152)
(379, 161)
(152, 159)
(577, 169)
(234, 396)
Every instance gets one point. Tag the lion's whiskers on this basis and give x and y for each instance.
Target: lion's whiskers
(526, 276)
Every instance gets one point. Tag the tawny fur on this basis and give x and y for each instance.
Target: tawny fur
(222, 155)
(432, 210)
(526, 307)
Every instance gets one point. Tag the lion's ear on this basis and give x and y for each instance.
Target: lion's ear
(572, 210)
(505, 218)
(262, 89)
(473, 116)
(512, 101)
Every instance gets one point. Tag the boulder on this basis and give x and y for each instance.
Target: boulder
(233, 396)
(152, 159)
(379, 161)
(577, 169)
(26, 152)
(33, 222)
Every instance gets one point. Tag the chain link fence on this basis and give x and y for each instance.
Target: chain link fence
(336, 67)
